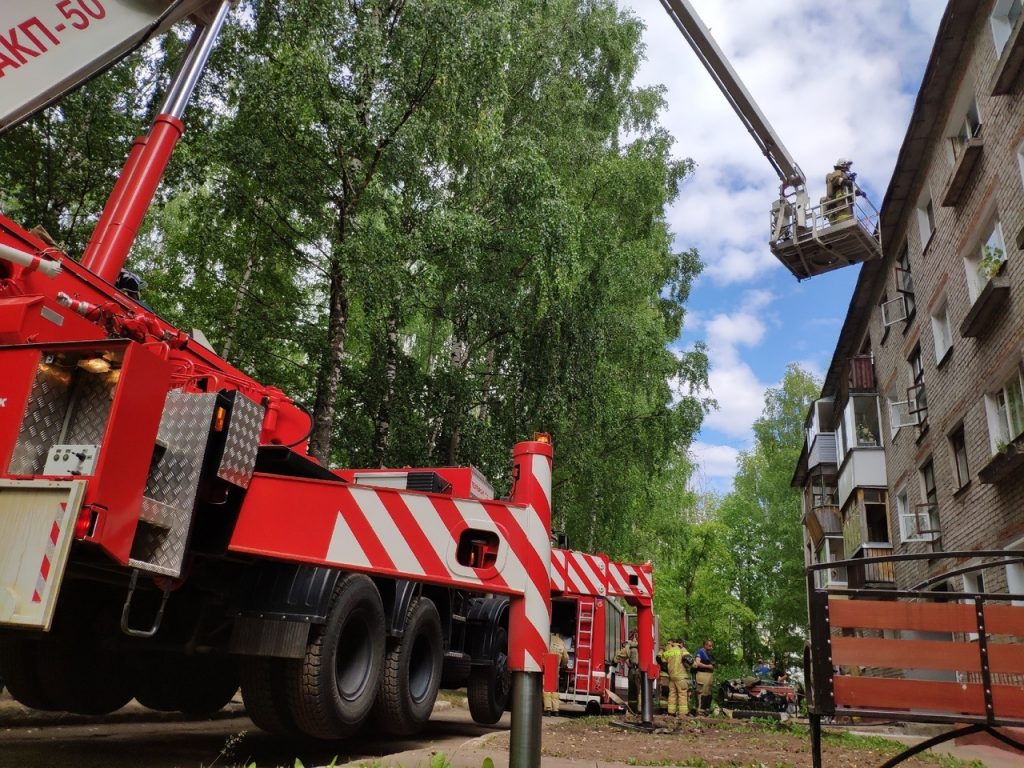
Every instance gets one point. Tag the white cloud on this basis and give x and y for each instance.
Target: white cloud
(733, 383)
(832, 81)
(715, 460)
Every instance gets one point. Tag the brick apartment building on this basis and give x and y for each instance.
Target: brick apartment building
(916, 443)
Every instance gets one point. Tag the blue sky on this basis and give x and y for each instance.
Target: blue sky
(835, 80)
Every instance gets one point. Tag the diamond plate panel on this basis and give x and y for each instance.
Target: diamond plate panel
(243, 438)
(44, 419)
(90, 409)
(170, 496)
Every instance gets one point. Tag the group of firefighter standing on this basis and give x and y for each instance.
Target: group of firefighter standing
(677, 664)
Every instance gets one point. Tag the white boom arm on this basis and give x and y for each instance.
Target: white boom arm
(50, 47)
(711, 56)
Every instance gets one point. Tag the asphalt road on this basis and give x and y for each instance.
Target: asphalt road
(137, 738)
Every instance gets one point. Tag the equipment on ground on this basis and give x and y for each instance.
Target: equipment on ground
(163, 533)
(758, 694)
(808, 239)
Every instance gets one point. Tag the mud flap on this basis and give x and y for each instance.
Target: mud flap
(37, 519)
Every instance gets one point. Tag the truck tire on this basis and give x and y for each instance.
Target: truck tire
(489, 685)
(263, 693)
(332, 689)
(455, 673)
(196, 686)
(79, 672)
(412, 673)
(19, 657)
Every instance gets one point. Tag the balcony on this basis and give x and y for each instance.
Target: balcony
(862, 373)
(868, 575)
(823, 450)
(862, 468)
(1007, 463)
(1010, 62)
(823, 521)
(987, 308)
(967, 153)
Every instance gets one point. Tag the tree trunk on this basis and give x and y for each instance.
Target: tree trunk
(329, 378)
(236, 308)
(382, 423)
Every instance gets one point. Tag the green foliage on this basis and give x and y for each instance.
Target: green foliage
(992, 260)
(440, 225)
(762, 516)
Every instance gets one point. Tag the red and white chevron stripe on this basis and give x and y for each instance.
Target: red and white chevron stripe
(416, 536)
(578, 572)
(46, 564)
(530, 617)
(629, 580)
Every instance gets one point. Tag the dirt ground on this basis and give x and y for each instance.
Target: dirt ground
(136, 738)
(707, 742)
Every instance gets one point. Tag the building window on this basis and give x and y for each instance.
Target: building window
(1015, 575)
(927, 516)
(829, 551)
(958, 450)
(866, 428)
(941, 332)
(926, 220)
(1005, 409)
(974, 583)
(967, 127)
(876, 517)
(917, 395)
(902, 307)
(1004, 17)
(898, 415)
(1020, 161)
(986, 259)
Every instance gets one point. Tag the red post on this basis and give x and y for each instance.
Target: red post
(530, 615)
(107, 258)
(531, 476)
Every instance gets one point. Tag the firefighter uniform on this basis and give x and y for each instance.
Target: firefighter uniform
(629, 654)
(837, 205)
(675, 667)
(559, 658)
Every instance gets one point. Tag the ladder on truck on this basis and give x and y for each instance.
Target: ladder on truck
(584, 647)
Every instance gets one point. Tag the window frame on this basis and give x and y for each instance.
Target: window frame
(959, 458)
(977, 279)
(1000, 426)
(940, 322)
(1002, 24)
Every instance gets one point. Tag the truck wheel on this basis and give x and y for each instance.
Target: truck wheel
(489, 685)
(412, 673)
(19, 658)
(79, 673)
(332, 689)
(196, 686)
(455, 672)
(263, 693)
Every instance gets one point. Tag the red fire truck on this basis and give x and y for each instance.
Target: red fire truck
(163, 532)
(590, 601)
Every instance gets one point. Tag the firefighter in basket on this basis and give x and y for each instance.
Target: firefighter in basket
(558, 659)
(840, 190)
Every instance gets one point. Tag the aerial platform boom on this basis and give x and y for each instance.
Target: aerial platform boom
(808, 239)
